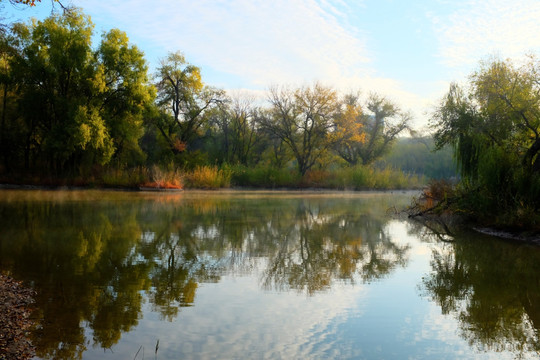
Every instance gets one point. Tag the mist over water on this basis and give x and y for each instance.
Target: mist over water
(262, 275)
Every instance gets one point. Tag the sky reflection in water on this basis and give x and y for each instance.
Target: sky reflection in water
(262, 275)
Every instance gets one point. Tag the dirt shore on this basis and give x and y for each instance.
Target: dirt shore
(15, 301)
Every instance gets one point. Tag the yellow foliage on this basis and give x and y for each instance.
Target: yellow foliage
(348, 127)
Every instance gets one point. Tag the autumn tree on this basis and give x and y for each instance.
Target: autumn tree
(33, 2)
(185, 99)
(303, 119)
(349, 132)
(381, 125)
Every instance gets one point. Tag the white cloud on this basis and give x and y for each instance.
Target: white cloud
(259, 41)
(254, 44)
(479, 28)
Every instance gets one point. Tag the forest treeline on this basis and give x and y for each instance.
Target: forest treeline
(92, 113)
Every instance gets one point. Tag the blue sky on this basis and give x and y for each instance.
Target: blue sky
(408, 51)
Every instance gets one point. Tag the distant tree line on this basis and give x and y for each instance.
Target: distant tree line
(69, 106)
(418, 155)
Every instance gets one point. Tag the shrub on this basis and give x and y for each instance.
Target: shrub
(208, 177)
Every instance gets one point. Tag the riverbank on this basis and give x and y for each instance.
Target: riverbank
(15, 302)
(213, 177)
(440, 203)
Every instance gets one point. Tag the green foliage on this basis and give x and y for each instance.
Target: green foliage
(75, 105)
(264, 176)
(495, 131)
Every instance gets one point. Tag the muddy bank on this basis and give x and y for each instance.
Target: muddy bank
(528, 237)
(15, 301)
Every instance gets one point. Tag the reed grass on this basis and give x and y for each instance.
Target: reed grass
(208, 177)
(119, 177)
(350, 178)
(264, 177)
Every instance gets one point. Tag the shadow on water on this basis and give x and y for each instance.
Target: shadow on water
(490, 286)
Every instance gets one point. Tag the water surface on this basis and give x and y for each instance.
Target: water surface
(277, 275)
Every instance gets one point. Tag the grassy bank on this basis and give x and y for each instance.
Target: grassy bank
(352, 178)
(212, 177)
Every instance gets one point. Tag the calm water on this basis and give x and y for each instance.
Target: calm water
(256, 275)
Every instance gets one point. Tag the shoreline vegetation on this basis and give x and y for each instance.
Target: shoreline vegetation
(213, 178)
(78, 111)
(493, 125)
(444, 208)
(82, 111)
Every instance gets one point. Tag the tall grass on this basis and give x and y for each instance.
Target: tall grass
(267, 177)
(264, 177)
(165, 179)
(115, 177)
(352, 178)
(208, 177)
(367, 178)
(154, 177)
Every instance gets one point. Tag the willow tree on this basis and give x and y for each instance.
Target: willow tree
(56, 78)
(126, 93)
(78, 106)
(494, 127)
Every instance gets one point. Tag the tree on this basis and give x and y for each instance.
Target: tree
(33, 2)
(303, 119)
(126, 94)
(236, 124)
(78, 106)
(380, 129)
(349, 129)
(494, 128)
(185, 100)
(57, 77)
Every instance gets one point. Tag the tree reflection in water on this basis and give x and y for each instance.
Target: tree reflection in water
(492, 288)
(94, 257)
(319, 243)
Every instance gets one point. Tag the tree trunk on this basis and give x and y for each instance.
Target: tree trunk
(529, 156)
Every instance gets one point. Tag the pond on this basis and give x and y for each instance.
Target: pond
(263, 275)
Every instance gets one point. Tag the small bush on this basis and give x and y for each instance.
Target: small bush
(208, 177)
(164, 179)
